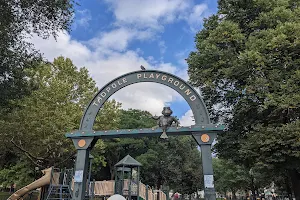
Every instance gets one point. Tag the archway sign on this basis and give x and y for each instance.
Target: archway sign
(203, 131)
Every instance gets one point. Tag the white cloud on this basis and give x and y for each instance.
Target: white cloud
(197, 13)
(155, 14)
(147, 13)
(162, 47)
(82, 18)
(181, 56)
(118, 39)
(187, 119)
(105, 65)
(195, 18)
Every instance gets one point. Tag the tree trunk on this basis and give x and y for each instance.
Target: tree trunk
(246, 194)
(233, 194)
(111, 170)
(159, 184)
(288, 188)
(253, 194)
(295, 177)
(253, 189)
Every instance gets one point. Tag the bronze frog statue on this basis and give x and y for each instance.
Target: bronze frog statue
(165, 121)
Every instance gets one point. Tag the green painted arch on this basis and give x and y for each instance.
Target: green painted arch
(194, 100)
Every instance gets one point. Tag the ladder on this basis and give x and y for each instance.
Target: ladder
(59, 192)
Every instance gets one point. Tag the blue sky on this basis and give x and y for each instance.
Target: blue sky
(113, 37)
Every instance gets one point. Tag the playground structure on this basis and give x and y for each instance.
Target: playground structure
(105, 189)
(130, 187)
(55, 184)
(45, 180)
(59, 184)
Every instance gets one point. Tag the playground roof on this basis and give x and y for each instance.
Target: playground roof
(128, 161)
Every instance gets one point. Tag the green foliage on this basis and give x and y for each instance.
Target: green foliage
(38, 126)
(19, 19)
(266, 143)
(133, 118)
(247, 63)
(20, 173)
(115, 149)
(175, 162)
(229, 177)
(109, 116)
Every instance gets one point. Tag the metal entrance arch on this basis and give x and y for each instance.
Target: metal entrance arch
(203, 131)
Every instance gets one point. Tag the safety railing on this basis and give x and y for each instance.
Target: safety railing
(106, 188)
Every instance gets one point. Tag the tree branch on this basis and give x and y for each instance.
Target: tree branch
(72, 154)
(26, 152)
(34, 162)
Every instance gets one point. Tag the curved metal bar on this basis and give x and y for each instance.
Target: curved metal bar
(194, 100)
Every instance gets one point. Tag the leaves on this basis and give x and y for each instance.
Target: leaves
(247, 63)
(39, 123)
(230, 177)
(18, 21)
(176, 163)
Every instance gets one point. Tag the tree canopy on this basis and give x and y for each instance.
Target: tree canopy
(19, 20)
(34, 132)
(175, 163)
(247, 63)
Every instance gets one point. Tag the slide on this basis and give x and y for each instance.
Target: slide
(45, 180)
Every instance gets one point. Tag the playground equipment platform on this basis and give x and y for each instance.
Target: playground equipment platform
(58, 185)
(106, 189)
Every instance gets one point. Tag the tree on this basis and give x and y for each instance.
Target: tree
(18, 20)
(133, 118)
(175, 162)
(117, 148)
(230, 177)
(34, 132)
(247, 63)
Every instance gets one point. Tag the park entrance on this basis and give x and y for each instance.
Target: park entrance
(204, 132)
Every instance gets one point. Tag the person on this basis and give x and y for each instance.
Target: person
(176, 196)
(263, 196)
(12, 188)
(116, 197)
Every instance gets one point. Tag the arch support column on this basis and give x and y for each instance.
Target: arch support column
(205, 140)
(83, 146)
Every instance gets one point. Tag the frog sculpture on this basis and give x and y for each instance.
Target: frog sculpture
(165, 121)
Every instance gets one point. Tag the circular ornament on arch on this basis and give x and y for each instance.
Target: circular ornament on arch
(205, 137)
(81, 143)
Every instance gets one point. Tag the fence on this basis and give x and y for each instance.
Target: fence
(106, 188)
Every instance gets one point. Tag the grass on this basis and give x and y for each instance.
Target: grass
(4, 195)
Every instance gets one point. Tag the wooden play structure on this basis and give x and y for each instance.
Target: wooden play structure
(58, 184)
(105, 189)
(127, 183)
(53, 185)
